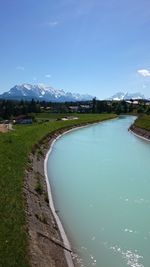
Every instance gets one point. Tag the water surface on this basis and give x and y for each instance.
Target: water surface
(100, 177)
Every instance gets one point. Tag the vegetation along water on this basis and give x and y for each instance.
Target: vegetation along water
(100, 182)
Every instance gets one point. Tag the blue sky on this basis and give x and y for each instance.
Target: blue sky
(86, 46)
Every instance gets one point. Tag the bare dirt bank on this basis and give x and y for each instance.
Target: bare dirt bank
(143, 133)
(45, 243)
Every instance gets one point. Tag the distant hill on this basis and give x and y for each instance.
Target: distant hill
(42, 92)
(127, 96)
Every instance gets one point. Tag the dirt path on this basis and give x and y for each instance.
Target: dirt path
(4, 128)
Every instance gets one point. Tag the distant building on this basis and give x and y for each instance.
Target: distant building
(22, 119)
(69, 118)
(85, 108)
(135, 102)
(147, 103)
(73, 108)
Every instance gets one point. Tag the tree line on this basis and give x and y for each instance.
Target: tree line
(13, 108)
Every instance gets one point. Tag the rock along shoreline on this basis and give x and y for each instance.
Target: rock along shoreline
(48, 245)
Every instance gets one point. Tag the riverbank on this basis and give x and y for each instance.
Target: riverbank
(48, 243)
(46, 247)
(142, 133)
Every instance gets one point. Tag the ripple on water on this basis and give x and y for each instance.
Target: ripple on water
(130, 231)
(132, 258)
(135, 201)
(141, 201)
(79, 261)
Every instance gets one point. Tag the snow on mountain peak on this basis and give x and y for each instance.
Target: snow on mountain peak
(42, 92)
(126, 96)
(26, 85)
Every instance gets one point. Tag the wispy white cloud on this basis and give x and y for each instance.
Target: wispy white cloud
(52, 23)
(20, 68)
(48, 76)
(144, 72)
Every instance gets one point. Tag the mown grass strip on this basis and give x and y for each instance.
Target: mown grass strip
(143, 122)
(14, 149)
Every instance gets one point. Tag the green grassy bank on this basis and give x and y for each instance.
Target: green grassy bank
(14, 149)
(143, 122)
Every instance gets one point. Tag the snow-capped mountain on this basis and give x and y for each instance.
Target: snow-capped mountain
(42, 92)
(118, 96)
(126, 96)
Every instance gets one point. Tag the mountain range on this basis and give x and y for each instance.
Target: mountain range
(42, 92)
(126, 96)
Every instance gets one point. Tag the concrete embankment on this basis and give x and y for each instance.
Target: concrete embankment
(143, 133)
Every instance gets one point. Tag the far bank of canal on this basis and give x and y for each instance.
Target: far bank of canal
(100, 182)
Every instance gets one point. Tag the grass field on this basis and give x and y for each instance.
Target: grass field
(14, 149)
(45, 116)
(48, 115)
(143, 122)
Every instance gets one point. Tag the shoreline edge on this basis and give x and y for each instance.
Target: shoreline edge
(48, 242)
(51, 202)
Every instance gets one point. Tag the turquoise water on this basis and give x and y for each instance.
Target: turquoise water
(100, 177)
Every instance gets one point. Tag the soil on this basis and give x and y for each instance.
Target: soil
(4, 128)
